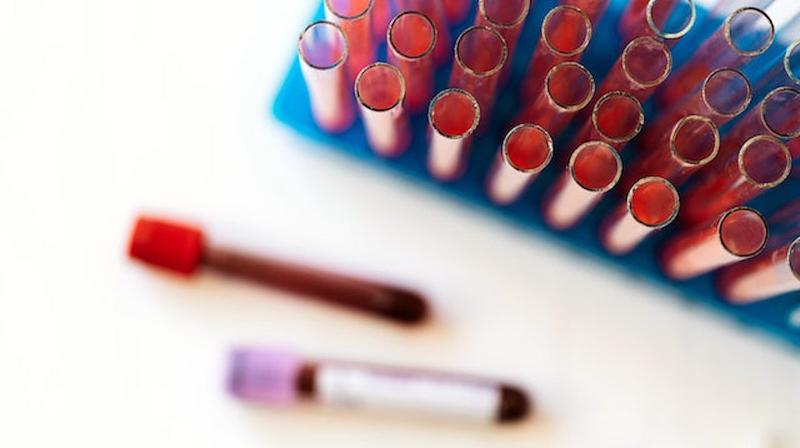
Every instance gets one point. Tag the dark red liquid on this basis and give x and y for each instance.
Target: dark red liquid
(654, 203)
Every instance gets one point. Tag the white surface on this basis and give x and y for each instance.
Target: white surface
(111, 107)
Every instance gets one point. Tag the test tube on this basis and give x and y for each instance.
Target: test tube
(381, 16)
(663, 19)
(566, 32)
(616, 119)
(184, 248)
(411, 40)
(322, 48)
(594, 168)
(434, 9)
(652, 204)
(737, 234)
(724, 94)
(355, 19)
(380, 91)
(569, 87)
(508, 18)
(526, 150)
(594, 9)
(785, 72)
(278, 377)
(746, 33)
(692, 144)
(480, 54)
(763, 163)
(453, 117)
(771, 274)
(456, 10)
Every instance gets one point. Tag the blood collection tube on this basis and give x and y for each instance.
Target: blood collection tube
(746, 33)
(616, 119)
(526, 150)
(566, 32)
(692, 144)
(453, 117)
(411, 40)
(434, 9)
(183, 248)
(380, 90)
(663, 19)
(652, 204)
(594, 168)
(456, 10)
(594, 9)
(763, 163)
(771, 274)
(355, 19)
(480, 55)
(724, 94)
(508, 18)
(569, 87)
(323, 51)
(381, 16)
(737, 234)
(279, 377)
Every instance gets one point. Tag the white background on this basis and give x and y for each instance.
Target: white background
(108, 108)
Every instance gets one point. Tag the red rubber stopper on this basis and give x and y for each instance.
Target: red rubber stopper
(174, 246)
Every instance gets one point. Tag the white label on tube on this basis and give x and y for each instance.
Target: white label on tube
(368, 388)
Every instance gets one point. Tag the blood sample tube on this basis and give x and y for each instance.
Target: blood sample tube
(763, 163)
(183, 248)
(453, 116)
(508, 18)
(664, 19)
(355, 19)
(569, 87)
(566, 32)
(594, 9)
(652, 204)
(771, 274)
(746, 33)
(381, 16)
(738, 234)
(435, 11)
(616, 119)
(323, 51)
(380, 91)
(280, 378)
(456, 10)
(594, 168)
(692, 144)
(526, 150)
(480, 55)
(724, 94)
(411, 39)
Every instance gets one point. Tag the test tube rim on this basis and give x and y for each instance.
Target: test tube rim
(727, 32)
(670, 36)
(616, 156)
(399, 74)
(745, 104)
(550, 146)
(787, 64)
(605, 98)
(345, 50)
(476, 107)
(672, 189)
(690, 163)
(586, 41)
(496, 69)
(795, 245)
(367, 10)
(748, 178)
(393, 47)
(762, 114)
(582, 104)
(727, 215)
(658, 80)
(517, 21)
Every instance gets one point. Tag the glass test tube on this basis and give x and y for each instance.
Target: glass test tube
(526, 150)
(323, 51)
(594, 168)
(355, 19)
(616, 119)
(380, 91)
(453, 117)
(652, 204)
(456, 10)
(746, 33)
(569, 87)
(566, 32)
(784, 73)
(508, 18)
(381, 16)
(738, 234)
(724, 94)
(663, 19)
(763, 163)
(480, 54)
(594, 9)
(411, 39)
(771, 274)
(435, 11)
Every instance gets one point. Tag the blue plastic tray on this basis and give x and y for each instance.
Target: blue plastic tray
(292, 107)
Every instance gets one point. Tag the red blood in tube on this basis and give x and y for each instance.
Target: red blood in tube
(619, 118)
(529, 149)
(595, 168)
(454, 114)
(654, 203)
(743, 233)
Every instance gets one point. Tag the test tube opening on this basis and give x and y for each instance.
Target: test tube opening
(504, 13)
(380, 87)
(694, 141)
(653, 202)
(671, 19)
(481, 51)
(749, 31)
(566, 31)
(743, 232)
(780, 112)
(454, 114)
(727, 92)
(765, 161)
(412, 35)
(322, 46)
(596, 166)
(618, 116)
(349, 9)
(570, 86)
(791, 62)
(528, 148)
(647, 61)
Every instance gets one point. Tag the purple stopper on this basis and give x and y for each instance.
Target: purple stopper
(264, 375)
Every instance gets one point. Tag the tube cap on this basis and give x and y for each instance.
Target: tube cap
(173, 246)
(264, 375)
